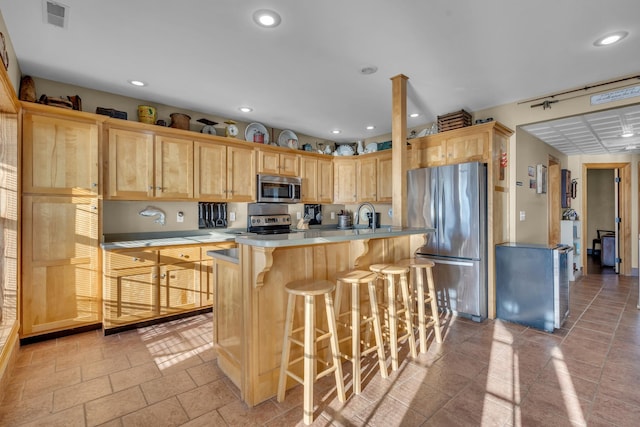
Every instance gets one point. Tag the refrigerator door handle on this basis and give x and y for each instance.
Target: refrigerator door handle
(462, 263)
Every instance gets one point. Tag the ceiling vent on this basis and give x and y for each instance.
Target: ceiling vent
(56, 14)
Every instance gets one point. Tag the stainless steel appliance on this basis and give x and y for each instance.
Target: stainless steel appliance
(278, 189)
(453, 200)
(532, 284)
(268, 218)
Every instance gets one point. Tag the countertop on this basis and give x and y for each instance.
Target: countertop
(296, 238)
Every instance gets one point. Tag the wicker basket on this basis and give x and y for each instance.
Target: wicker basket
(455, 120)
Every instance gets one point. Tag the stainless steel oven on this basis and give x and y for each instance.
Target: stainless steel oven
(278, 189)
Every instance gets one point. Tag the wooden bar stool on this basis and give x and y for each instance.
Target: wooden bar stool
(309, 289)
(420, 266)
(356, 278)
(389, 273)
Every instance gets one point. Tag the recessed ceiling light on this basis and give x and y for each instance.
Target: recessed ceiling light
(336, 131)
(245, 109)
(370, 127)
(137, 83)
(631, 147)
(627, 134)
(266, 18)
(414, 115)
(610, 39)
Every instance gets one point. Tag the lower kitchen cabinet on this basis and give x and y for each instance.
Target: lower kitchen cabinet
(60, 287)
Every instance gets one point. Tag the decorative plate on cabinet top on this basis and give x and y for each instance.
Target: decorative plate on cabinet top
(254, 128)
(372, 147)
(286, 136)
(345, 150)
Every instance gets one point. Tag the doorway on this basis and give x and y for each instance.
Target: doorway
(622, 205)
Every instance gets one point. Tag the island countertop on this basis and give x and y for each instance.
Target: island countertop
(319, 236)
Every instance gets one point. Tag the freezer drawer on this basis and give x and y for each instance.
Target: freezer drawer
(461, 287)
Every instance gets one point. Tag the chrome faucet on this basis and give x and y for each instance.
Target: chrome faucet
(373, 214)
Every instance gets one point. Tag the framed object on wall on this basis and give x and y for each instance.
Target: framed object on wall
(541, 179)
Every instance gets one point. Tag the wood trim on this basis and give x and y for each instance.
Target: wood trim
(399, 147)
(8, 100)
(625, 213)
(8, 354)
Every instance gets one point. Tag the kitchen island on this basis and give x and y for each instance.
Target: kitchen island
(250, 311)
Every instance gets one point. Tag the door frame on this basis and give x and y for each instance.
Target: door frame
(624, 197)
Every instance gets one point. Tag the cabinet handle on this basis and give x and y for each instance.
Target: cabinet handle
(95, 208)
(159, 188)
(162, 276)
(151, 187)
(93, 184)
(183, 256)
(136, 259)
(154, 276)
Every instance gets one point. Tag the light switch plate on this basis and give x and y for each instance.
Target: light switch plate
(232, 216)
(180, 216)
(523, 215)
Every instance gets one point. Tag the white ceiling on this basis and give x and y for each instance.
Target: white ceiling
(209, 56)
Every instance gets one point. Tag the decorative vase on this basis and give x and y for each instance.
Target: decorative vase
(360, 148)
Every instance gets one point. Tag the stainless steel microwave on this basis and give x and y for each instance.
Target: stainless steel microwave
(278, 189)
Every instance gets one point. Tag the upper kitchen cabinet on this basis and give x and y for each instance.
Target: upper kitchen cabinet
(273, 162)
(467, 144)
(135, 173)
(60, 151)
(344, 180)
(317, 179)
(365, 178)
(224, 172)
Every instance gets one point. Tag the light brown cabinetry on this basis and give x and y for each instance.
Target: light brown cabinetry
(60, 155)
(317, 179)
(344, 181)
(134, 172)
(470, 144)
(272, 162)
(60, 288)
(228, 333)
(224, 172)
(367, 182)
(366, 178)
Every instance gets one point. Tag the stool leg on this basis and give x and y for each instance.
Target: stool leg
(422, 326)
(404, 285)
(286, 348)
(335, 350)
(393, 324)
(338, 298)
(309, 358)
(434, 306)
(377, 330)
(355, 336)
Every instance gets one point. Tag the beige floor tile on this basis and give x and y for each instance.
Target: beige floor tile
(615, 411)
(390, 412)
(72, 417)
(167, 413)
(206, 398)
(49, 383)
(167, 386)
(80, 393)
(205, 373)
(237, 413)
(133, 376)
(113, 406)
(105, 367)
(26, 410)
(209, 419)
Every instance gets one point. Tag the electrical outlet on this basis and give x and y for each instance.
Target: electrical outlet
(523, 215)
(333, 215)
(180, 216)
(298, 215)
(232, 216)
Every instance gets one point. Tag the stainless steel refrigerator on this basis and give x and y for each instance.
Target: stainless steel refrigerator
(453, 200)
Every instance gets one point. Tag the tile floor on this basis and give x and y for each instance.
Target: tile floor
(490, 374)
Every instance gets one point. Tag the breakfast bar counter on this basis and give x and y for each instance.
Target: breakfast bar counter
(249, 344)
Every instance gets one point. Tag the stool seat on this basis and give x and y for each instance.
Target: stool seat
(394, 269)
(377, 268)
(355, 278)
(425, 295)
(314, 287)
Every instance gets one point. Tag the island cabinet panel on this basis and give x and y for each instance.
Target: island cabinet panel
(130, 165)
(173, 168)
(265, 271)
(60, 288)
(60, 155)
(228, 329)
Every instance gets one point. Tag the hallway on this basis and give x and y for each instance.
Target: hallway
(494, 373)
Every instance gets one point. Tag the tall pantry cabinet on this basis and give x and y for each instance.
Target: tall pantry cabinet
(60, 229)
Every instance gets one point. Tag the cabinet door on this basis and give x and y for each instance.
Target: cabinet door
(468, 148)
(309, 175)
(325, 181)
(60, 156)
(344, 181)
(210, 171)
(367, 179)
(289, 164)
(59, 263)
(179, 287)
(268, 162)
(241, 174)
(207, 288)
(433, 153)
(385, 184)
(174, 168)
(130, 296)
(130, 165)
